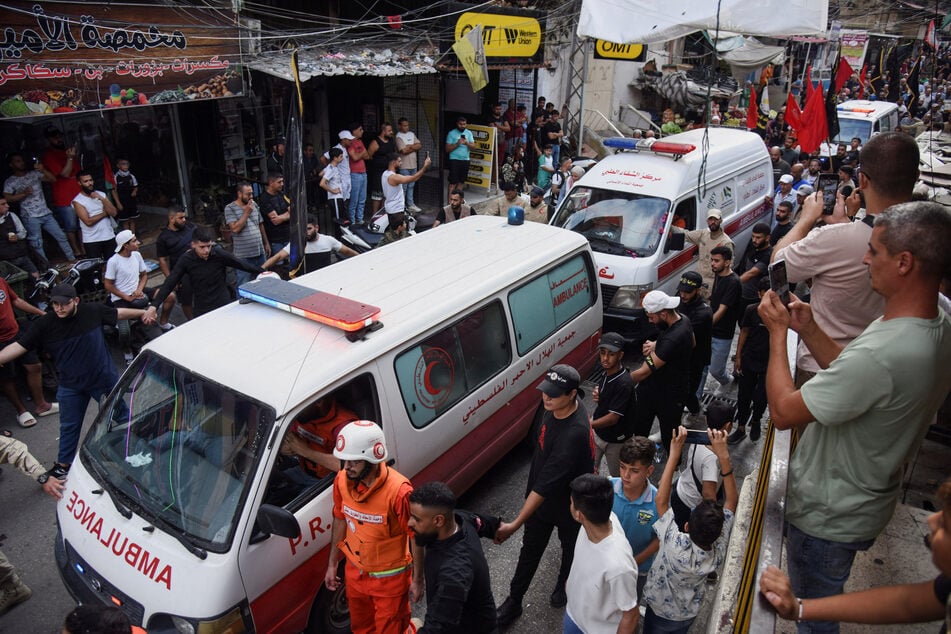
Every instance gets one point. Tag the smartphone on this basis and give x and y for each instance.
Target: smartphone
(778, 281)
(427, 153)
(828, 184)
(697, 437)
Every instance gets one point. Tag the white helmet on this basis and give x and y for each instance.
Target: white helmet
(361, 440)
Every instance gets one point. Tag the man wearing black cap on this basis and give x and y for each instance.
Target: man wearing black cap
(537, 210)
(564, 449)
(72, 333)
(697, 310)
(275, 162)
(666, 367)
(612, 394)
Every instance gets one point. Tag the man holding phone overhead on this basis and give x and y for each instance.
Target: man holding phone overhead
(843, 302)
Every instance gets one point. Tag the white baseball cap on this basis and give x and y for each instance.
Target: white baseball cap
(786, 178)
(122, 237)
(714, 213)
(656, 301)
(344, 135)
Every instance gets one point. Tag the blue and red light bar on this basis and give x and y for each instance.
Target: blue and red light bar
(331, 310)
(654, 145)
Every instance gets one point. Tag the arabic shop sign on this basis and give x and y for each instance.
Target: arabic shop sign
(65, 57)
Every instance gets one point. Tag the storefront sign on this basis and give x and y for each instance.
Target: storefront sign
(503, 35)
(66, 57)
(624, 52)
(481, 159)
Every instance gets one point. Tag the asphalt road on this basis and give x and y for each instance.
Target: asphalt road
(28, 531)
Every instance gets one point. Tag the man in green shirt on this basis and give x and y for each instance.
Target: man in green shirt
(863, 416)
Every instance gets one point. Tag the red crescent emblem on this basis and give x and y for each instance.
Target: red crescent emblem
(341, 441)
(379, 451)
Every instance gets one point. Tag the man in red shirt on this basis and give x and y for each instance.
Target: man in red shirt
(64, 164)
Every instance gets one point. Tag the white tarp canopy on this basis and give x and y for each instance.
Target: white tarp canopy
(753, 54)
(647, 21)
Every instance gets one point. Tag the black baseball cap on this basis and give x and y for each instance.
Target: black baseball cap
(63, 293)
(690, 281)
(560, 380)
(611, 341)
(538, 191)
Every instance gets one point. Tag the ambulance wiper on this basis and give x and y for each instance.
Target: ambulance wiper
(171, 529)
(107, 487)
(611, 247)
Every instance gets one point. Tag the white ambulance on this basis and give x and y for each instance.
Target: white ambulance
(861, 119)
(180, 509)
(627, 204)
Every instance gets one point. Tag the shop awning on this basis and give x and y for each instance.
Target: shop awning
(373, 61)
(753, 54)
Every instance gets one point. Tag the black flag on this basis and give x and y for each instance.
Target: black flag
(295, 186)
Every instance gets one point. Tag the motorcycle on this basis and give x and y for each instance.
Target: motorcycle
(85, 276)
(363, 237)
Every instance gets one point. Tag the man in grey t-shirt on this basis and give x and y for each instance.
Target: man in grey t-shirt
(247, 233)
(25, 187)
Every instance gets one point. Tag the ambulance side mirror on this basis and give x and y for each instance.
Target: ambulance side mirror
(675, 242)
(275, 520)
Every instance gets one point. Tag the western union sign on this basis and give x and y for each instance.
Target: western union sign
(625, 52)
(503, 35)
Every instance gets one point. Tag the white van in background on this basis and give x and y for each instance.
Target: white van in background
(861, 119)
(179, 509)
(626, 204)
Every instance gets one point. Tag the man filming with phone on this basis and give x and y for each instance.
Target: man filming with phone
(843, 302)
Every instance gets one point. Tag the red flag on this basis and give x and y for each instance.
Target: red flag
(751, 116)
(107, 173)
(395, 21)
(842, 74)
(809, 86)
(793, 113)
(814, 127)
(862, 81)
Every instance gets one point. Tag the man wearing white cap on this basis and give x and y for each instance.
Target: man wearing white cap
(804, 191)
(706, 240)
(344, 167)
(665, 372)
(125, 279)
(784, 192)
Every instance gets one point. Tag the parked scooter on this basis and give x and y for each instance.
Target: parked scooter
(363, 237)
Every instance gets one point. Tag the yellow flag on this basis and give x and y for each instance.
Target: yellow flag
(471, 53)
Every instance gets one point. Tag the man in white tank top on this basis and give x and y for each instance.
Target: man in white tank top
(392, 181)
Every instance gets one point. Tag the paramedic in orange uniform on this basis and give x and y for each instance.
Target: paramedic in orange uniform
(313, 441)
(371, 529)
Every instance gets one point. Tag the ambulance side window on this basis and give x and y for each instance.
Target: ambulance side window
(551, 300)
(439, 371)
(685, 214)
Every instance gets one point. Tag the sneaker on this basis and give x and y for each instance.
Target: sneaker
(510, 610)
(738, 434)
(754, 432)
(655, 437)
(558, 598)
(413, 208)
(58, 471)
(724, 388)
(167, 327)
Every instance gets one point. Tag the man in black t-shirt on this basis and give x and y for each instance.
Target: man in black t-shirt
(275, 209)
(173, 241)
(612, 396)
(72, 333)
(664, 377)
(752, 357)
(693, 307)
(754, 264)
(725, 304)
(564, 449)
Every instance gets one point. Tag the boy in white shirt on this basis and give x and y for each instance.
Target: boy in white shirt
(602, 584)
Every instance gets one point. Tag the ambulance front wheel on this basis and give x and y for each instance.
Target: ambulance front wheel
(331, 614)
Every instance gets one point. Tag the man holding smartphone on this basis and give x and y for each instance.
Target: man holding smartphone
(842, 299)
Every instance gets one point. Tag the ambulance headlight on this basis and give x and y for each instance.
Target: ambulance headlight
(629, 297)
(235, 621)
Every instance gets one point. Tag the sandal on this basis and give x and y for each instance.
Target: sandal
(26, 419)
(54, 409)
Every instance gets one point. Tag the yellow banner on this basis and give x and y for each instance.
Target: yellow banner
(503, 35)
(471, 54)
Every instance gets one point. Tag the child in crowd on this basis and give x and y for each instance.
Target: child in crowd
(546, 167)
(125, 195)
(700, 480)
(602, 593)
(635, 505)
(677, 579)
(752, 357)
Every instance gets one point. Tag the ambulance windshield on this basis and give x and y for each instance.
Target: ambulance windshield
(851, 128)
(614, 222)
(179, 450)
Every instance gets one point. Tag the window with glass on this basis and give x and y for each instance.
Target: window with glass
(615, 222)
(179, 450)
(851, 128)
(439, 371)
(550, 301)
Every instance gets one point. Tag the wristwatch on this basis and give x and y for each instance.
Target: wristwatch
(43, 478)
